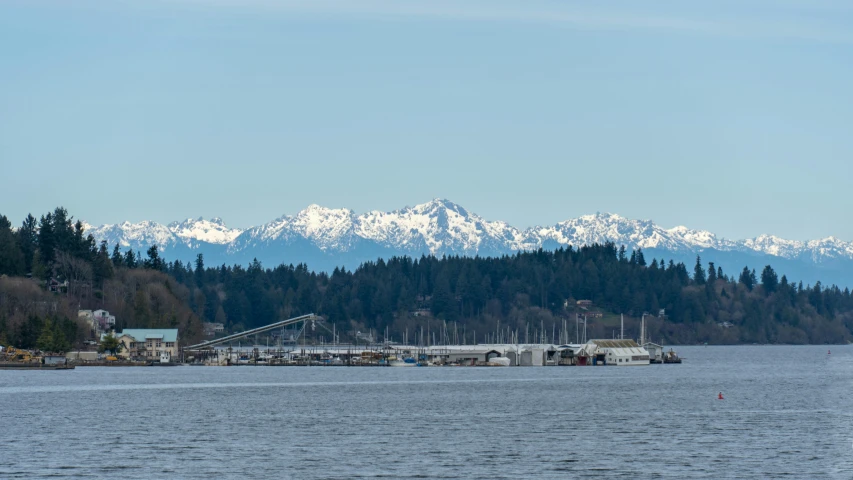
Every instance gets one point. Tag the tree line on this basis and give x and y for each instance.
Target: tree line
(55, 251)
(475, 295)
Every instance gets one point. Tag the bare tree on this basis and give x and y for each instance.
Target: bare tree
(76, 271)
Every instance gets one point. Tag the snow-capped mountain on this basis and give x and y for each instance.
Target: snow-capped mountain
(201, 230)
(324, 238)
(190, 233)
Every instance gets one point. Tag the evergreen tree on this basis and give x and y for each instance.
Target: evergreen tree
(109, 344)
(117, 257)
(746, 278)
(154, 262)
(698, 272)
(641, 260)
(769, 279)
(11, 257)
(46, 241)
(199, 269)
(712, 273)
(102, 266)
(46, 341)
(40, 270)
(130, 259)
(28, 240)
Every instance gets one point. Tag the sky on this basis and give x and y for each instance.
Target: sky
(733, 116)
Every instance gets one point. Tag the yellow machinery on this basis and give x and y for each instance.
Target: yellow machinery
(17, 355)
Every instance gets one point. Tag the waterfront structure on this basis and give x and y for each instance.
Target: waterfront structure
(655, 352)
(151, 344)
(621, 352)
(54, 359)
(83, 356)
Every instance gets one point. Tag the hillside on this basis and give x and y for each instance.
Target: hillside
(523, 294)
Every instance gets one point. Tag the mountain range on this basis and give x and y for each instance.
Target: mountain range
(324, 238)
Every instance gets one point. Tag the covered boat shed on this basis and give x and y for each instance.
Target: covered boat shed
(621, 352)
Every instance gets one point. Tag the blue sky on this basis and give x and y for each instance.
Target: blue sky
(732, 116)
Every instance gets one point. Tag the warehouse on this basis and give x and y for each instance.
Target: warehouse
(621, 352)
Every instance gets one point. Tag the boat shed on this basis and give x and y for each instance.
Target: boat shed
(621, 352)
(655, 352)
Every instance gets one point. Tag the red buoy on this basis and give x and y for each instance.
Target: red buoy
(720, 396)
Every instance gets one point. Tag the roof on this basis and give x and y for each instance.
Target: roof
(615, 343)
(140, 334)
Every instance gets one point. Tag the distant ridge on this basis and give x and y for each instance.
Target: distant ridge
(324, 238)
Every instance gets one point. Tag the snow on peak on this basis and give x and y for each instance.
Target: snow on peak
(211, 231)
(128, 234)
(326, 226)
(443, 227)
(440, 225)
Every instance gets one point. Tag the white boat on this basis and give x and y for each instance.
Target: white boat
(406, 362)
(499, 362)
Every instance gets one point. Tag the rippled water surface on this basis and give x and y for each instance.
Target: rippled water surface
(787, 413)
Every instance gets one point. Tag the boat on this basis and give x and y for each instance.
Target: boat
(671, 357)
(499, 362)
(33, 366)
(406, 362)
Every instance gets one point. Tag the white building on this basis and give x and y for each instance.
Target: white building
(621, 352)
(104, 320)
(655, 352)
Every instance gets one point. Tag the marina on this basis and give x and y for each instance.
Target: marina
(160, 347)
(229, 350)
(592, 353)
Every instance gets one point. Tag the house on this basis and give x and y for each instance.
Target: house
(211, 329)
(103, 320)
(584, 303)
(55, 286)
(87, 316)
(149, 344)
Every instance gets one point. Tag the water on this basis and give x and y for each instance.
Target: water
(786, 414)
